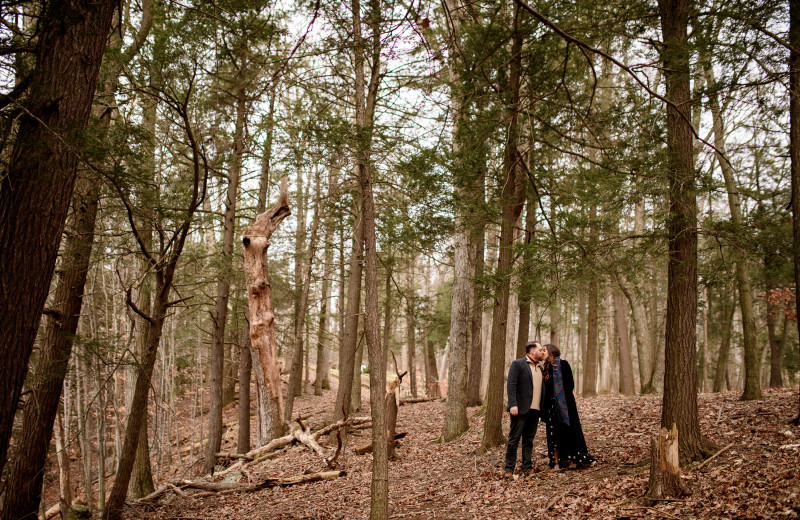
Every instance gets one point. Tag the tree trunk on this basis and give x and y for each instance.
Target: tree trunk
(141, 483)
(411, 334)
(526, 282)
(477, 243)
(752, 384)
(245, 369)
(216, 381)
(665, 470)
(322, 331)
(379, 495)
(626, 383)
(455, 419)
(431, 373)
(727, 310)
(794, 148)
(680, 377)
(37, 186)
(513, 196)
(590, 362)
(64, 484)
(348, 347)
(24, 480)
(775, 350)
(262, 317)
(296, 374)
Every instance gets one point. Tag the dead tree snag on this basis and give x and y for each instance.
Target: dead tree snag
(259, 298)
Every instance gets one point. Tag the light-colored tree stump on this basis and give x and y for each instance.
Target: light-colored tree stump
(665, 469)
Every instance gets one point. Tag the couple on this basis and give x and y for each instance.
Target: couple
(540, 385)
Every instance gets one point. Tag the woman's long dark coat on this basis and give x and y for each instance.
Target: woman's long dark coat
(569, 439)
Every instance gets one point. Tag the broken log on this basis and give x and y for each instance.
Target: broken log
(266, 483)
(414, 400)
(665, 469)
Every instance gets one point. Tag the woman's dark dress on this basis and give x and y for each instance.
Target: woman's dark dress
(567, 439)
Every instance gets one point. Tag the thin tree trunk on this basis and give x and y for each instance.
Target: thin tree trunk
(379, 495)
(411, 330)
(592, 332)
(752, 383)
(626, 386)
(295, 377)
(322, 332)
(513, 194)
(727, 310)
(348, 347)
(245, 369)
(526, 282)
(216, 380)
(477, 243)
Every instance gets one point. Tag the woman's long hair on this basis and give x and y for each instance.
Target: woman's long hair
(552, 353)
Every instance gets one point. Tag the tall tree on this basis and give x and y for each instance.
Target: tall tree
(512, 199)
(794, 145)
(38, 183)
(752, 385)
(455, 418)
(680, 376)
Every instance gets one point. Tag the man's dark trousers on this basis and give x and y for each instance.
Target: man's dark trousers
(522, 426)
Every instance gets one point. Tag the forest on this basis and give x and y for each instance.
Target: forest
(270, 259)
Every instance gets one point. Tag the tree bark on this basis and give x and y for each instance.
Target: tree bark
(216, 380)
(296, 375)
(680, 377)
(477, 243)
(141, 483)
(590, 361)
(512, 198)
(37, 186)
(455, 419)
(526, 283)
(775, 346)
(245, 369)
(379, 495)
(794, 147)
(411, 329)
(24, 481)
(321, 381)
(626, 383)
(752, 384)
(262, 317)
(348, 347)
(727, 310)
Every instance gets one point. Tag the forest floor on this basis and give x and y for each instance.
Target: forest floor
(756, 475)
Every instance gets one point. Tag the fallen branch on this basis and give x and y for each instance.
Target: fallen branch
(232, 487)
(714, 456)
(414, 400)
(558, 497)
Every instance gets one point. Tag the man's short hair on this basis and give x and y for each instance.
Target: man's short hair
(530, 346)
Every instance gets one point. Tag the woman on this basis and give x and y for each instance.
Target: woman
(565, 442)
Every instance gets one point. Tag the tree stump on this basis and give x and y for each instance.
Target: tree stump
(665, 469)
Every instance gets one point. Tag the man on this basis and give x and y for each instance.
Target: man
(524, 399)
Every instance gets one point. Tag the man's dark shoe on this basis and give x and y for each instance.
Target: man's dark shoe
(507, 475)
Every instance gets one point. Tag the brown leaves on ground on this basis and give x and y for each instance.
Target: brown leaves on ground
(757, 476)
